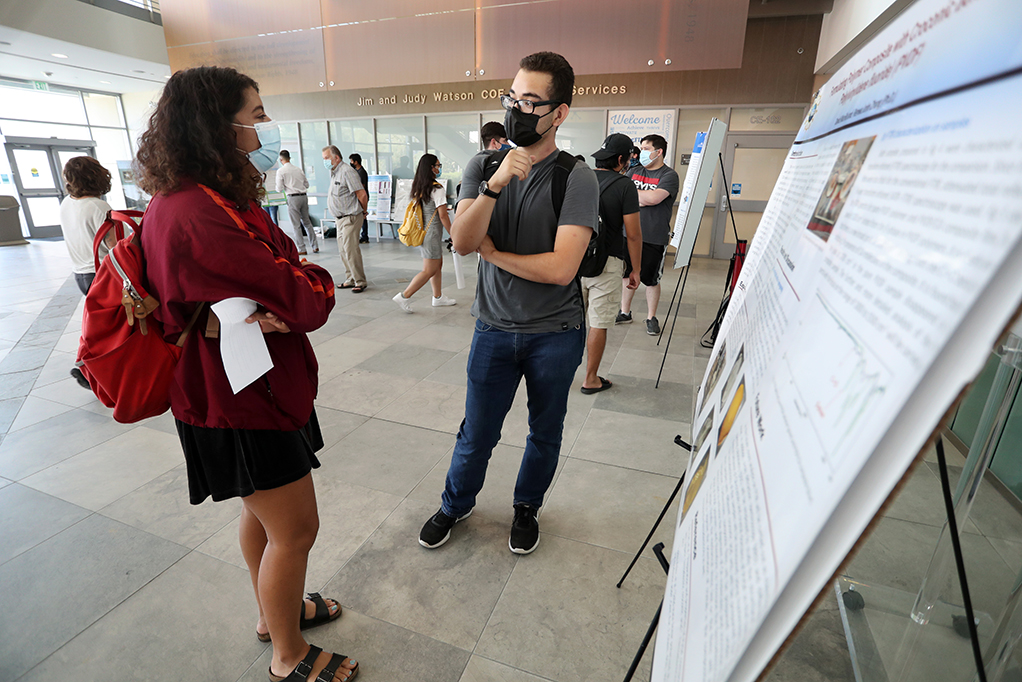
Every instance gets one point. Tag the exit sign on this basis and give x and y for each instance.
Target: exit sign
(40, 85)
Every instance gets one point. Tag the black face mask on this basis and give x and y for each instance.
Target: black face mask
(521, 128)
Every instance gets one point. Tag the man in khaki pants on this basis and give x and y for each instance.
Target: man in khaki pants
(347, 201)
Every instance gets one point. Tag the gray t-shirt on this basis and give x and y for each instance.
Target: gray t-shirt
(524, 222)
(656, 220)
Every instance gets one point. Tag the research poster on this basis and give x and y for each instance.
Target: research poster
(380, 189)
(884, 268)
(695, 190)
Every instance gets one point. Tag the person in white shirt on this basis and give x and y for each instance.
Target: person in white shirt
(347, 201)
(430, 194)
(292, 182)
(82, 213)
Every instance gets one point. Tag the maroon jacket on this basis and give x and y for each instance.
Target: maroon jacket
(196, 251)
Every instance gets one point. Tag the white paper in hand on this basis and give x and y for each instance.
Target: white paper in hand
(242, 346)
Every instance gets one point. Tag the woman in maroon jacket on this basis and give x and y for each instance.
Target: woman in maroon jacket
(206, 239)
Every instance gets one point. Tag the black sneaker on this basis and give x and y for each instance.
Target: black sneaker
(623, 318)
(652, 326)
(524, 529)
(437, 530)
(80, 378)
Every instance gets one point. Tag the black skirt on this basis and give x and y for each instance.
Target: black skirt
(226, 463)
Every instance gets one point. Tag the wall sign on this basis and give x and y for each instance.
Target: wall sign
(637, 124)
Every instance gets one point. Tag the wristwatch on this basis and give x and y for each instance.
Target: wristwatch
(484, 189)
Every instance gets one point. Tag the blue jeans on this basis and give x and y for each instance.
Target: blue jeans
(496, 364)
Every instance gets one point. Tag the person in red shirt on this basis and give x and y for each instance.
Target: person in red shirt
(206, 239)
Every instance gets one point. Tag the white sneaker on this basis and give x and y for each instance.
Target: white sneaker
(443, 301)
(403, 302)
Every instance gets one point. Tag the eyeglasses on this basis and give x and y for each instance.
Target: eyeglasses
(524, 105)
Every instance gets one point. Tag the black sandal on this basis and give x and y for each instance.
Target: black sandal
(322, 615)
(304, 669)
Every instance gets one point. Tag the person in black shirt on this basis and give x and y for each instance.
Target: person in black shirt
(356, 163)
(619, 211)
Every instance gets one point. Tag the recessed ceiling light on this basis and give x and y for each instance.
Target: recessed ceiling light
(137, 71)
(4, 42)
(58, 55)
(166, 76)
(105, 82)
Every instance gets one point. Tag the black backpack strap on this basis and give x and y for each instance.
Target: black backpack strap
(562, 169)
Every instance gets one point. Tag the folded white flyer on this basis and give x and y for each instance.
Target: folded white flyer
(242, 346)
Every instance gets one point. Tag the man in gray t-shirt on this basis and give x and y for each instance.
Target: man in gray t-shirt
(658, 186)
(528, 302)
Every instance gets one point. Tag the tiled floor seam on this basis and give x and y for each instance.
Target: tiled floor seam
(118, 604)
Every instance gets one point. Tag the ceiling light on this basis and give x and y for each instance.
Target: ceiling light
(58, 55)
(105, 82)
(4, 42)
(137, 71)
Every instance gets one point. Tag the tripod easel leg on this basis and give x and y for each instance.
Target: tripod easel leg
(658, 549)
(678, 441)
(671, 335)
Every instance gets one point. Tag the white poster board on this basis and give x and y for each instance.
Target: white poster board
(695, 190)
(639, 123)
(885, 266)
(380, 188)
(402, 195)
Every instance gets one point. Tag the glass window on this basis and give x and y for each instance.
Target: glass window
(34, 169)
(771, 120)
(355, 137)
(26, 129)
(582, 133)
(313, 140)
(454, 140)
(289, 141)
(103, 110)
(400, 145)
(45, 210)
(41, 105)
(111, 147)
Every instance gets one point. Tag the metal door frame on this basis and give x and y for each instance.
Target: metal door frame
(722, 218)
(51, 145)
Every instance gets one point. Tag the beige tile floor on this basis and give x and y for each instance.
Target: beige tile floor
(107, 573)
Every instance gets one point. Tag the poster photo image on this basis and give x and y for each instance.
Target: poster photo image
(704, 431)
(695, 483)
(715, 371)
(839, 185)
(732, 412)
(732, 377)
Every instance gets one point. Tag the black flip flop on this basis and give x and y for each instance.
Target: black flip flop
(346, 285)
(604, 385)
(359, 289)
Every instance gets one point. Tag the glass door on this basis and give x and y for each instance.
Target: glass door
(37, 165)
(752, 162)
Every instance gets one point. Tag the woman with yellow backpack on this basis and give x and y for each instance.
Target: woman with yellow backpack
(429, 197)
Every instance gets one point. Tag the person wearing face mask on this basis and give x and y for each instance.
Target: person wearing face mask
(658, 185)
(494, 136)
(430, 194)
(528, 303)
(634, 161)
(206, 239)
(292, 182)
(347, 201)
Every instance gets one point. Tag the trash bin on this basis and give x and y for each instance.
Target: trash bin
(10, 226)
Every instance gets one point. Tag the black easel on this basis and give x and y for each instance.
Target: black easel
(681, 481)
(681, 284)
(737, 261)
(658, 549)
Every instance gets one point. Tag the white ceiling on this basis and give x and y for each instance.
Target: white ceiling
(29, 57)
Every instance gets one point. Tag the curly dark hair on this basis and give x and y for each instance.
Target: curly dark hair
(190, 135)
(86, 177)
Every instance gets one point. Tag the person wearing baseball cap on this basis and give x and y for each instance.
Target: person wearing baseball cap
(619, 215)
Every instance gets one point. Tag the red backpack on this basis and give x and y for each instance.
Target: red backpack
(122, 352)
